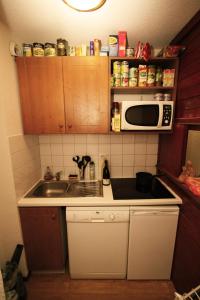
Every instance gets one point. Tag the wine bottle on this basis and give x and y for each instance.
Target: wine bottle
(106, 174)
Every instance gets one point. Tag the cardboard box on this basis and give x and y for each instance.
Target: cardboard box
(168, 77)
(122, 38)
(113, 45)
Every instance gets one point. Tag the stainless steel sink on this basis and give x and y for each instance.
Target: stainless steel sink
(68, 189)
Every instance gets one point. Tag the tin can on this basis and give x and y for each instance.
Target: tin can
(158, 97)
(49, 49)
(124, 80)
(117, 81)
(124, 67)
(159, 76)
(151, 75)
(130, 51)
(38, 49)
(112, 81)
(27, 49)
(142, 75)
(91, 48)
(97, 47)
(167, 97)
(133, 72)
(133, 81)
(116, 67)
(61, 47)
(71, 51)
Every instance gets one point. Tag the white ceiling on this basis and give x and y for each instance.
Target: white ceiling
(156, 21)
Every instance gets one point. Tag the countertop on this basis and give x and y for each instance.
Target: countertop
(106, 200)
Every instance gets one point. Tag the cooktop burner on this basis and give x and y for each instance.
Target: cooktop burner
(125, 188)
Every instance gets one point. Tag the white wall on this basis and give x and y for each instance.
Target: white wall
(11, 131)
(10, 233)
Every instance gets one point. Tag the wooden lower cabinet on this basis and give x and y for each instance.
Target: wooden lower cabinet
(186, 263)
(44, 238)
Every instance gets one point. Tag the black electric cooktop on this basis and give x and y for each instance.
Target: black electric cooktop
(125, 188)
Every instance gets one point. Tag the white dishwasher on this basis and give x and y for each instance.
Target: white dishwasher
(151, 241)
(98, 242)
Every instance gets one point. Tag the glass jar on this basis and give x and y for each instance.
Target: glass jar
(61, 47)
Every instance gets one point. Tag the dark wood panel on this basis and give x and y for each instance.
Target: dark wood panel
(189, 87)
(188, 108)
(186, 265)
(187, 29)
(188, 111)
(189, 66)
(41, 227)
(171, 150)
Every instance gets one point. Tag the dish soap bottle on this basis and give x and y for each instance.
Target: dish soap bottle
(92, 170)
(48, 174)
(106, 174)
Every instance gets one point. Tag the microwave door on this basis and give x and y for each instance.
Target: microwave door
(160, 120)
(142, 116)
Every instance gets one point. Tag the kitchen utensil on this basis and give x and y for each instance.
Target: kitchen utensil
(76, 159)
(144, 182)
(86, 159)
(80, 164)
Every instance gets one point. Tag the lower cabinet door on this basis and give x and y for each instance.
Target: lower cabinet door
(43, 238)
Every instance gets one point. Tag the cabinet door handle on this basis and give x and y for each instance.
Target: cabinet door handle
(60, 126)
(53, 216)
(69, 126)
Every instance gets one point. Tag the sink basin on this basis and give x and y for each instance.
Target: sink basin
(68, 189)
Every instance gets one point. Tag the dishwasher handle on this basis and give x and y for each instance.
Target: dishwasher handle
(154, 213)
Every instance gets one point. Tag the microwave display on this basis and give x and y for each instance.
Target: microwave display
(143, 115)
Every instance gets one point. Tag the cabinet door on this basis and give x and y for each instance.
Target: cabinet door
(41, 91)
(186, 265)
(42, 234)
(86, 94)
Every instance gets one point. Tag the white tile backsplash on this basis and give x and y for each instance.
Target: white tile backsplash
(56, 149)
(26, 160)
(116, 149)
(152, 148)
(68, 139)
(127, 153)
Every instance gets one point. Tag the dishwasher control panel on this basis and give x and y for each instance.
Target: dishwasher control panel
(97, 215)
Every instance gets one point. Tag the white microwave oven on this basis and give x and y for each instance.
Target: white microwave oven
(146, 115)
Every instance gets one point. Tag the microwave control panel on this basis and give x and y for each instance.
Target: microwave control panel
(167, 115)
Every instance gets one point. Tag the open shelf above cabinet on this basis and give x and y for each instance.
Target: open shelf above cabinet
(148, 83)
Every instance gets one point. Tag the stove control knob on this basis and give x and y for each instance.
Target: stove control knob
(112, 217)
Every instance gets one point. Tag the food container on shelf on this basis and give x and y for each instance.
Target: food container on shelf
(158, 97)
(167, 97)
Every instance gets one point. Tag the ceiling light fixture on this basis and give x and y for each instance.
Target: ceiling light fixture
(85, 5)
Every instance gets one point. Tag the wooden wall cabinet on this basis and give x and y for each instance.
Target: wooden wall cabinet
(188, 92)
(44, 238)
(64, 94)
(86, 94)
(41, 92)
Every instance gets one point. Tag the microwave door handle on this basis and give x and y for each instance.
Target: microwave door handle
(160, 115)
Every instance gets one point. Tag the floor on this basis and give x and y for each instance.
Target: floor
(61, 287)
